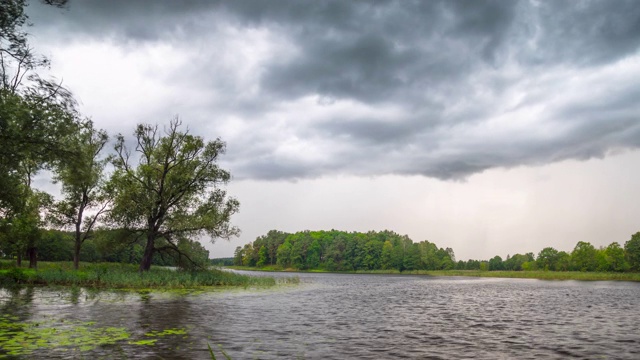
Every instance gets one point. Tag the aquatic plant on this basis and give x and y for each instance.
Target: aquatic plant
(213, 356)
(24, 338)
(21, 338)
(125, 276)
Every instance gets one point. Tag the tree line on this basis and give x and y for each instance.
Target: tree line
(164, 188)
(350, 251)
(113, 246)
(343, 251)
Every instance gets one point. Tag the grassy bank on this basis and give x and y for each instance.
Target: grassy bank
(126, 276)
(543, 275)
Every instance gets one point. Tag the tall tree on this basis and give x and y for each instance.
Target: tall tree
(172, 190)
(547, 258)
(583, 257)
(17, 59)
(614, 258)
(632, 251)
(82, 179)
(35, 117)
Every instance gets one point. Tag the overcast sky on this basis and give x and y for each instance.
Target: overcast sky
(492, 127)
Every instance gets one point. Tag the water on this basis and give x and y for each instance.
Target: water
(336, 316)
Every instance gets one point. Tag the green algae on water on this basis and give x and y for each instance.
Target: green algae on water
(23, 338)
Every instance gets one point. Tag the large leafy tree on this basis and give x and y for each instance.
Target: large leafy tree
(613, 258)
(35, 114)
(583, 257)
(547, 258)
(82, 180)
(632, 251)
(169, 189)
(17, 59)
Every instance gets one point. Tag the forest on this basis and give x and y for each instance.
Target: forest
(385, 250)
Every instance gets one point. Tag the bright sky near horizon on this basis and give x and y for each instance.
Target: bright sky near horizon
(491, 127)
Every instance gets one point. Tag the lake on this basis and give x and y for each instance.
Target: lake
(334, 316)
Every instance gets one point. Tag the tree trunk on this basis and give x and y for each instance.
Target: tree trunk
(78, 244)
(145, 265)
(76, 254)
(32, 252)
(19, 260)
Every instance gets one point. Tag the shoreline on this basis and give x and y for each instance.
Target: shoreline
(535, 274)
(127, 277)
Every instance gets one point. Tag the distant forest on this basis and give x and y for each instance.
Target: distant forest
(350, 251)
(118, 246)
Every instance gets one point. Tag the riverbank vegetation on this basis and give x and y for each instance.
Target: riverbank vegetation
(127, 276)
(388, 252)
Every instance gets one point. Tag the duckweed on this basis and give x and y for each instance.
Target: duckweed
(23, 338)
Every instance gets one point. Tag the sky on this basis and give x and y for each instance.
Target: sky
(491, 127)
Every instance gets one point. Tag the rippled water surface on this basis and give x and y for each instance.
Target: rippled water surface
(335, 316)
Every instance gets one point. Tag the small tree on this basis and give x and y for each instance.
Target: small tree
(82, 179)
(172, 190)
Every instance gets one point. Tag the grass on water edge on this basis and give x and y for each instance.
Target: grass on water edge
(127, 276)
(534, 274)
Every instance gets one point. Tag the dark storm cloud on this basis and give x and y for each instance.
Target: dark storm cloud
(445, 68)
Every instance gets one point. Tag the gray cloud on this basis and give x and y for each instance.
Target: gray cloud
(442, 89)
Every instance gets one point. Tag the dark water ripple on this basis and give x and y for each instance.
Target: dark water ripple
(333, 316)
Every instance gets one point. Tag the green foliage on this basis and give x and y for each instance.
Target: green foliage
(583, 257)
(55, 246)
(496, 263)
(262, 256)
(22, 230)
(547, 259)
(632, 251)
(82, 180)
(173, 191)
(284, 254)
(516, 261)
(386, 256)
(342, 251)
(484, 266)
(237, 256)
(612, 258)
(563, 262)
(249, 257)
(14, 276)
(227, 261)
(126, 276)
(36, 118)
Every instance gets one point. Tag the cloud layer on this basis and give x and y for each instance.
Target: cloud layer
(307, 89)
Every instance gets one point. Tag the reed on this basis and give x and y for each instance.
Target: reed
(126, 276)
(542, 275)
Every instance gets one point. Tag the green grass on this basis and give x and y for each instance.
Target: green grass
(544, 275)
(126, 276)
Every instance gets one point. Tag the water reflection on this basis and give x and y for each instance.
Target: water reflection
(357, 316)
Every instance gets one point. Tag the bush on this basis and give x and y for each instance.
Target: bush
(14, 276)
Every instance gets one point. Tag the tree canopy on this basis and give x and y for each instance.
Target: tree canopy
(169, 188)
